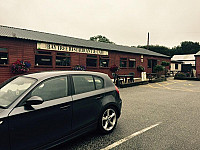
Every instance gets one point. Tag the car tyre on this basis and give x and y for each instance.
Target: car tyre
(108, 120)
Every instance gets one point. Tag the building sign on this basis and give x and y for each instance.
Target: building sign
(47, 46)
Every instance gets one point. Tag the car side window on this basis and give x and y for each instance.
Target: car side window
(98, 82)
(83, 83)
(51, 89)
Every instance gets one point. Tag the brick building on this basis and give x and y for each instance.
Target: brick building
(197, 59)
(55, 52)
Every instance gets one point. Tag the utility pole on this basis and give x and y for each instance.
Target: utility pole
(148, 41)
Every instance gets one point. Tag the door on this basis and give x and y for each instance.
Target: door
(86, 100)
(37, 125)
(154, 63)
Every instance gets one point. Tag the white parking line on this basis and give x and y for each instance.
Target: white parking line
(130, 137)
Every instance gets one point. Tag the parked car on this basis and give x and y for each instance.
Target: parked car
(40, 110)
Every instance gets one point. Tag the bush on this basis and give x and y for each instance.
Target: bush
(180, 74)
(164, 63)
(140, 68)
(114, 68)
(79, 68)
(158, 68)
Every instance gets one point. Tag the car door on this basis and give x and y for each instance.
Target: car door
(37, 125)
(86, 101)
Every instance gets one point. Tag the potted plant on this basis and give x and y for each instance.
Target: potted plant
(140, 68)
(79, 68)
(20, 67)
(114, 68)
(158, 69)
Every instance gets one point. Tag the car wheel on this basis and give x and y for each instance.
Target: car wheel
(108, 120)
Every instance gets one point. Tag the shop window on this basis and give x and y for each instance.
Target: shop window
(104, 61)
(43, 58)
(176, 66)
(62, 59)
(3, 56)
(132, 63)
(149, 63)
(123, 62)
(91, 61)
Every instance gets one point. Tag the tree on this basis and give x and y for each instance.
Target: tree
(100, 38)
(165, 64)
(159, 49)
(158, 69)
(186, 47)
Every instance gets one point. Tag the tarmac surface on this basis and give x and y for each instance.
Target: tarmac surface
(156, 116)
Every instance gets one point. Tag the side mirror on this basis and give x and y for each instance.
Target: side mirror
(34, 100)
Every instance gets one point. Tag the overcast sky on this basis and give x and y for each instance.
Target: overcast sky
(125, 22)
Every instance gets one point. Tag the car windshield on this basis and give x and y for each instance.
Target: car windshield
(13, 89)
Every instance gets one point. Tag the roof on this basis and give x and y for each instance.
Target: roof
(12, 32)
(189, 57)
(176, 61)
(197, 54)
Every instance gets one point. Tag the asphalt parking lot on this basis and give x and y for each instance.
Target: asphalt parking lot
(162, 115)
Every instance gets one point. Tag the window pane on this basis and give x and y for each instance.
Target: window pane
(176, 66)
(98, 82)
(3, 58)
(132, 64)
(62, 61)
(13, 89)
(91, 62)
(123, 62)
(52, 89)
(3, 50)
(43, 52)
(83, 84)
(149, 63)
(92, 56)
(63, 54)
(43, 60)
(104, 62)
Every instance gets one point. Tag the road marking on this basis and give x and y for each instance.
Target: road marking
(130, 137)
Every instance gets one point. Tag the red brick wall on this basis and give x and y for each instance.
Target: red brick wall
(25, 50)
(198, 66)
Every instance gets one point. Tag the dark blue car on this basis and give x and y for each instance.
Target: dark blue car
(41, 110)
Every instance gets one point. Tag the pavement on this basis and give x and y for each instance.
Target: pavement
(156, 116)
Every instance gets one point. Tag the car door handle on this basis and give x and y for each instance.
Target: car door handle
(1, 122)
(65, 107)
(99, 97)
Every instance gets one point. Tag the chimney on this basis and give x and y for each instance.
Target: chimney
(148, 41)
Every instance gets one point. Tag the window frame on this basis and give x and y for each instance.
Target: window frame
(56, 55)
(28, 95)
(120, 62)
(51, 55)
(95, 82)
(149, 62)
(6, 51)
(104, 58)
(93, 58)
(73, 85)
(132, 60)
(176, 67)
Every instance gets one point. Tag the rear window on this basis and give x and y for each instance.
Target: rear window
(99, 83)
(83, 83)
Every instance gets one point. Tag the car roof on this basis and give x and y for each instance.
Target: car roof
(50, 74)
